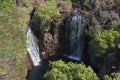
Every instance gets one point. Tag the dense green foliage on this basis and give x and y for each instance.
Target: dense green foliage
(8, 6)
(104, 42)
(113, 76)
(47, 13)
(70, 71)
(116, 25)
(93, 30)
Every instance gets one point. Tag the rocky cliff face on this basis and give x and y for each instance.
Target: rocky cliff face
(49, 41)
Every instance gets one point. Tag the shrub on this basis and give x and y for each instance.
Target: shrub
(70, 71)
(104, 41)
(8, 6)
(47, 13)
(116, 24)
(92, 31)
(112, 76)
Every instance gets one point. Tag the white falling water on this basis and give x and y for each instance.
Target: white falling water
(75, 37)
(33, 48)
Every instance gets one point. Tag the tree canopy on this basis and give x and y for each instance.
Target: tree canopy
(70, 71)
(104, 42)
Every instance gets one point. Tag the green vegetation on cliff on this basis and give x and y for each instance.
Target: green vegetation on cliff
(12, 42)
(47, 13)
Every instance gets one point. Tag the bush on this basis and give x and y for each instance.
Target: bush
(8, 6)
(116, 25)
(47, 13)
(70, 71)
(104, 42)
(112, 76)
(92, 31)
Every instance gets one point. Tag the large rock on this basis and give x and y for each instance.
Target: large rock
(50, 44)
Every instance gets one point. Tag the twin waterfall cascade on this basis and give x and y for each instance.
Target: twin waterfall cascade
(33, 48)
(75, 36)
(74, 40)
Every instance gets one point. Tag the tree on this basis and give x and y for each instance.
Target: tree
(116, 24)
(12, 41)
(93, 30)
(112, 76)
(104, 42)
(69, 71)
(47, 13)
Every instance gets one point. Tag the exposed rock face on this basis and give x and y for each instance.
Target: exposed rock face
(49, 40)
(29, 63)
(50, 43)
(44, 55)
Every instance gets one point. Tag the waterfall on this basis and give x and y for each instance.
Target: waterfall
(33, 48)
(75, 36)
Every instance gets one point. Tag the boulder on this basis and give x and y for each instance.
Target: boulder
(50, 44)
